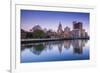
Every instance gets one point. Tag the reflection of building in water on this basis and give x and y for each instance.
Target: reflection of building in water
(67, 44)
(60, 45)
(49, 45)
(78, 46)
(25, 46)
(38, 48)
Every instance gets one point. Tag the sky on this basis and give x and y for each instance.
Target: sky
(51, 19)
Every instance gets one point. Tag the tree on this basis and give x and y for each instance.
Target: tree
(38, 34)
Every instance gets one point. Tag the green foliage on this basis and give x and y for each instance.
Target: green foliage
(38, 34)
(39, 47)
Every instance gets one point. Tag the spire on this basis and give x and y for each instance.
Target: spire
(60, 28)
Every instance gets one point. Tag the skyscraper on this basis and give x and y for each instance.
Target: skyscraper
(77, 25)
(78, 31)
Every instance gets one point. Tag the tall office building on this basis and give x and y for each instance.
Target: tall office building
(78, 31)
(77, 25)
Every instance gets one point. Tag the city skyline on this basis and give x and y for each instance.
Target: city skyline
(51, 19)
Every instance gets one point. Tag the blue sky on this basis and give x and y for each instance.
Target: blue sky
(51, 19)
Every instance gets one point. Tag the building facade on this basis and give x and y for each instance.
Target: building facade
(78, 31)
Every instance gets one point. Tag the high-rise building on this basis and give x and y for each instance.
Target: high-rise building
(78, 46)
(78, 31)
(77, 25)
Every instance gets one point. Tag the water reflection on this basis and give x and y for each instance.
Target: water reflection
(53, 47)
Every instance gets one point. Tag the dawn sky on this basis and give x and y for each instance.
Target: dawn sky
(51, 19)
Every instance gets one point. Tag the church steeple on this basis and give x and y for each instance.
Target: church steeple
(60, 30)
